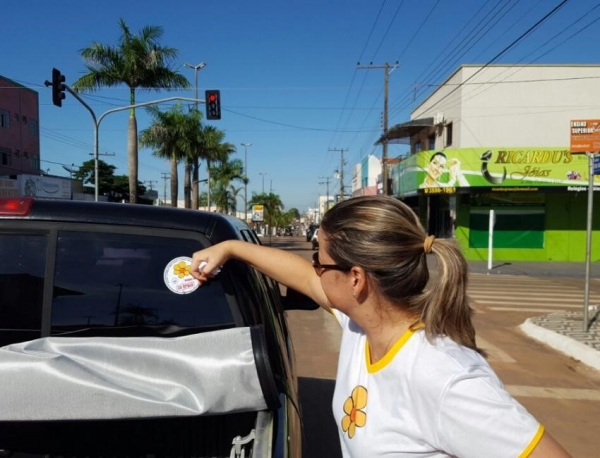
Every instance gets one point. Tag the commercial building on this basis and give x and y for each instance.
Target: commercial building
(19, 129)
(498, 138)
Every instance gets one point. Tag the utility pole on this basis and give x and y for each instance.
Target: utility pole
(384, 156)
(165, 176)
(246, 145)
(326, 182)
(150, 183)
(342, 163)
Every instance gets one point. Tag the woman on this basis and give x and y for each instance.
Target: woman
(411, 380)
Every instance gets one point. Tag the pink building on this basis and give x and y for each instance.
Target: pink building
(19, 129)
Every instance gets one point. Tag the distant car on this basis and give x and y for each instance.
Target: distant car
(315, 239)
(288, 231)
(120, 353)
(310, 231)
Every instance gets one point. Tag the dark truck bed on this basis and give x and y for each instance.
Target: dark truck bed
(209, 436)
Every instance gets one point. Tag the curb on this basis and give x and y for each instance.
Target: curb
(566, 345)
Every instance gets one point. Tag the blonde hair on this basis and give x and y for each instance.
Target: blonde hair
(385, 237)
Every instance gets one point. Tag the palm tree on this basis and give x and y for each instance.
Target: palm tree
(166, 135)
(191, 144)
(139, 62)
(273, 206)
(222, 177)
(214, 150)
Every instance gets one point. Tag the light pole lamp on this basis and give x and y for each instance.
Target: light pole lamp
(246, 145)
(196, 68)
(263, 180)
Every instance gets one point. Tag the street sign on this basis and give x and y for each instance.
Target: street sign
(585, 136)
(597, 164)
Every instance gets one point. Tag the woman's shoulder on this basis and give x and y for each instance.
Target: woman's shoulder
(439, 360)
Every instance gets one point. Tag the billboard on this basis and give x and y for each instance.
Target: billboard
(585, 136)
(258, 212)
(45, 187)
(483, 169)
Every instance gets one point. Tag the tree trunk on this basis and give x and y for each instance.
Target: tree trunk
(174, 180)
(195, 184)
(187, 189)
(132, 157)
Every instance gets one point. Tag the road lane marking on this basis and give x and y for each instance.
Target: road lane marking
(494, 352)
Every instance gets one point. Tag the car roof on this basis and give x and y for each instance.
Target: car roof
(216, 226)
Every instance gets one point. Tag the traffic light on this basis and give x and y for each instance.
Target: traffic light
(213, 104)
(58, 87)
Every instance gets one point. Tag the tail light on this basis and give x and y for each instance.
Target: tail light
(17, 206)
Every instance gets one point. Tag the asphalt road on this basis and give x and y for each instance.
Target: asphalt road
(562, 393)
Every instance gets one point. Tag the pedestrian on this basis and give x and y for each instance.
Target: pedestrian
(411, 380)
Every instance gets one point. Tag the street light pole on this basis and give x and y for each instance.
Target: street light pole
(246, 145)
(263, 180)
(195, 177)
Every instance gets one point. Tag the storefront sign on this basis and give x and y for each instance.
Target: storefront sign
(495, 170)
(585, 136)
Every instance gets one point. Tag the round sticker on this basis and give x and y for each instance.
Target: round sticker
(177, 276)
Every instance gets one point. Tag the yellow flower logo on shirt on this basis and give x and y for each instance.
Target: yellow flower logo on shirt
(181, 269)
(354, 416)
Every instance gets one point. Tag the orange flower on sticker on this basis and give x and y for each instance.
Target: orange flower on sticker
(355, 418)
(181, 269)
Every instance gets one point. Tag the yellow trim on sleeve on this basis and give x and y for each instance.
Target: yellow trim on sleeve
(533, 444)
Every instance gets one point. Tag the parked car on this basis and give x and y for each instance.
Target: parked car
(120, 353)
(310, 231)
(288, 231)
(314, 240)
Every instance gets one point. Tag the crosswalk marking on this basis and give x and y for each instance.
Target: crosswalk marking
(521, 309)
(580, 394)
(506, 293)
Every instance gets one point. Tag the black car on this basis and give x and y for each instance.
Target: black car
(120, 353)
(310, 231)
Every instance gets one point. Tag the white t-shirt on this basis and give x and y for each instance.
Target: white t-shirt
(425, 400)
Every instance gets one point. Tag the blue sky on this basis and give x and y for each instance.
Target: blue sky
(287, 71)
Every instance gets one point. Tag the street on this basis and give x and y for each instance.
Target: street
(562, 393)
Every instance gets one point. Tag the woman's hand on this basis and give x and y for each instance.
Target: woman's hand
(205, 263)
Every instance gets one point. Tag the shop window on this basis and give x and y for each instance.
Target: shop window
(431, 142)
(513, 229)
(417, 147)
(449, 134)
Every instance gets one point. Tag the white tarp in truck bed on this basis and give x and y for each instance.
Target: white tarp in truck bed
(79, 378)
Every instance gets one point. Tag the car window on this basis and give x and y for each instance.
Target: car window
(107, 280)
(22, 264)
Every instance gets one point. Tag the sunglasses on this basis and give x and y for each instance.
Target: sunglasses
(320, 268)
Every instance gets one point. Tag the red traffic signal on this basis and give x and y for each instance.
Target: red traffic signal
(213, 104)
(58, 87)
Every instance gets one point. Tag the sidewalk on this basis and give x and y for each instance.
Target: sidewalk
(562, 331)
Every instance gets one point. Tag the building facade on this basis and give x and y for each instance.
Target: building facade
(498, 138)
(19, 129)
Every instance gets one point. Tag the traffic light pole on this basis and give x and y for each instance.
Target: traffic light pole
(98, 120)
